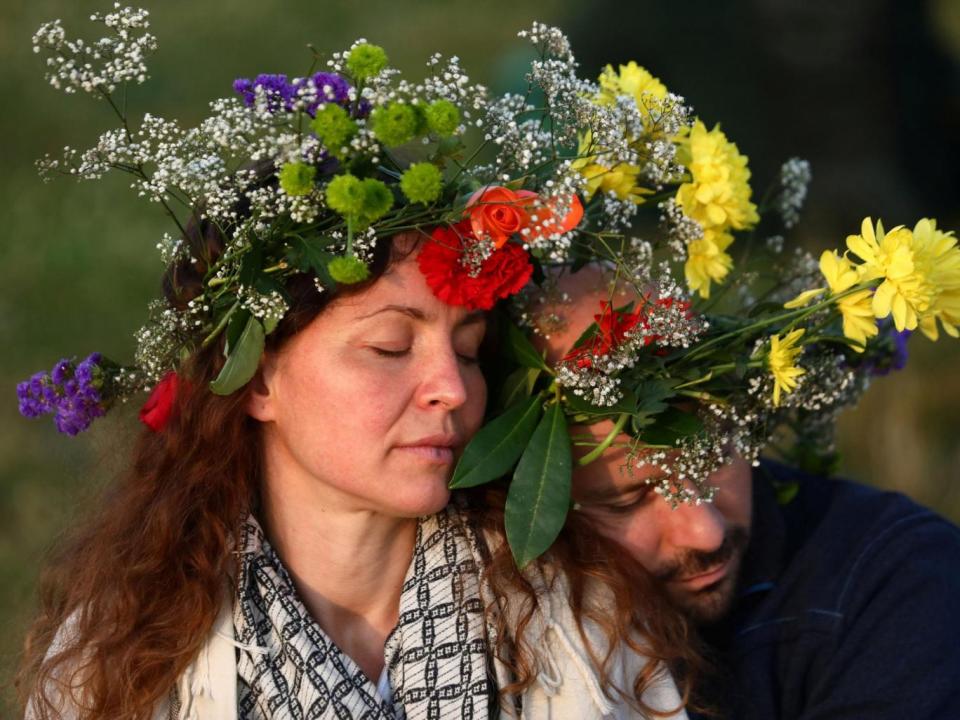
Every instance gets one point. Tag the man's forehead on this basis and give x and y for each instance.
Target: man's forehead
(585, 290)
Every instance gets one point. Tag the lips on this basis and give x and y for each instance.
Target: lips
(705, 579)
(432, 448)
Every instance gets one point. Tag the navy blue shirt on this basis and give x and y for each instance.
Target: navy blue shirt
(848, 607)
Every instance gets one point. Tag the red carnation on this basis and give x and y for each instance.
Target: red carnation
(502, 274)
(156, 411)
(612, 328)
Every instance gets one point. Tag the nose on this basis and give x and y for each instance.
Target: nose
(691, 527)
(442, 383)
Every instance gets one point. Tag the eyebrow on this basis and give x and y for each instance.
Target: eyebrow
(476, 316)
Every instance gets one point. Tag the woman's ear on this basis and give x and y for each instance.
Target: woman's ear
(262, 396)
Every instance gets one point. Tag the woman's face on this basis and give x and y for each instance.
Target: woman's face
(369, 406)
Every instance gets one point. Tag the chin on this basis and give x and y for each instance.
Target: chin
(709, 606)
(419, 497)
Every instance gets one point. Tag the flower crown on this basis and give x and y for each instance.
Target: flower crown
(713, 355)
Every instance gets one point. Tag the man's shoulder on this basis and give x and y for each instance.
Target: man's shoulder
(843, 538)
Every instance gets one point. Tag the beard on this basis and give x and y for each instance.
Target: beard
(711, 603)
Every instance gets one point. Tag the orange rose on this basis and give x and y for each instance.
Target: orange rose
(497, 212)
(546, 222)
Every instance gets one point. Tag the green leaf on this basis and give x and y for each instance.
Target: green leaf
(266, 284)
(519, 347)
(786, 492)
(449, 147)
(741, 366)
(518, 385)
(765, 307)
(670, 426)
(578, 405)
(236, 326)
(494, 450)
(250, 266)
(539, 495)
(243, 360)
(652, 395)
(309, 256)
(270, 324)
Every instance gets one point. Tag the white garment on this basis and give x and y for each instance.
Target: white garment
(566, 685)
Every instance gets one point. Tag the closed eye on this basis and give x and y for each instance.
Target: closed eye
(627, 506)
(383, 352)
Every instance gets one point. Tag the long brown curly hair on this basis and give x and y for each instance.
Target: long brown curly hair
(129, 598)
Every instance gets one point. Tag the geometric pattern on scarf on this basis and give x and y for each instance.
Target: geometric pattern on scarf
(437, 655)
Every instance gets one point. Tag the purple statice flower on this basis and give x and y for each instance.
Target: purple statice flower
(891, 351)
(330, 87)
(363, 108)
(33, 396)
(61, 371)
(279, 92)
(899, 360)
(71, 392)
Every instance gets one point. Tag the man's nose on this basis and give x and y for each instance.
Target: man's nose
(695, 527)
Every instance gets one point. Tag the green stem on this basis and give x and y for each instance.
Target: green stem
(220, 326)
(606, 442)
(795, 315)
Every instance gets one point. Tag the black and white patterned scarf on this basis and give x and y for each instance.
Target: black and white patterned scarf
(437, 656)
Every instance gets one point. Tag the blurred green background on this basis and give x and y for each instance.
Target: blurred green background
(869, 92)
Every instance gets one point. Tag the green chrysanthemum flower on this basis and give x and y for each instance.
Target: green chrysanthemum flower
(366, 60)
(334, 127)
(421, 183)
(348, 269)
(443, 117)
(396, 123)
(296, 178)
(360, 201)
(377, 199)
(345, 195)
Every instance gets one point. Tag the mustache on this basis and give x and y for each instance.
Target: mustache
(695, 562)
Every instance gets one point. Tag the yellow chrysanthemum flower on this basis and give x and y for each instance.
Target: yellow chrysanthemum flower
(905, 292)
(859, 322)
(938, 259)
(718, 194)
(804, 298)
(781, 361)
(707, 261)
(621, 179)
(632, 80)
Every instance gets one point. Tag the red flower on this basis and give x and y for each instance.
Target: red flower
(156, 411)
(612, 328)
(502, 274)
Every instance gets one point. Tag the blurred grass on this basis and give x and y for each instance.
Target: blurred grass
(78, 265)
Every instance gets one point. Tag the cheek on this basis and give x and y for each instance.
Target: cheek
(476, 402)
(641, 536)
(734, 500)
(347, 404)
